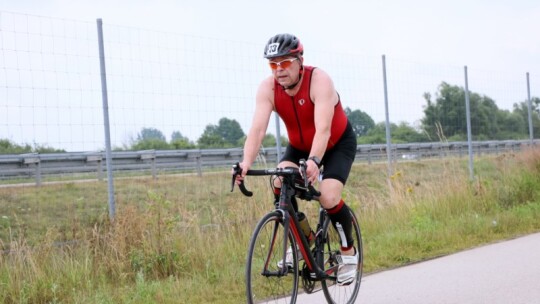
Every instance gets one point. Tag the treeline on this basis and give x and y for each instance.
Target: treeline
(226, 134)
(444, 120)
(9, 147)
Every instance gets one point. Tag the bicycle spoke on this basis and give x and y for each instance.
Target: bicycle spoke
(265, 282)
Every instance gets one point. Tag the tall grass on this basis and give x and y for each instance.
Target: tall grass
(183, 239)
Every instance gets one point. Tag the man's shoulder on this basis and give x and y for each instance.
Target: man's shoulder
(266, 88)
(268, 81)
(319, 75)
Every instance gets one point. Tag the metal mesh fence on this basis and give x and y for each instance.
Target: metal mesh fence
(181, 85)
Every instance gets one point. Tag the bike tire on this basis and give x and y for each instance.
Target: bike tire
(266, 248)
(333, 293)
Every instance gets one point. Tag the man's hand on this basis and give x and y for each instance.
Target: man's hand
(312, 171)
(240, 177)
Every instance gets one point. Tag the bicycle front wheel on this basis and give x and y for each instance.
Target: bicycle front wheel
(340, 294)
(265, 282)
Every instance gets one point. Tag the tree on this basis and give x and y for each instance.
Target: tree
(445, 118)
(46, 149)
(402, 133)
(151, 144)
(8, 147)
(178, 141)
(512, 125)
(360, 121)
(376, 135)
(270, 140)
(176, 135)
(150, 139)
(522, 109)
(211, 138)
(405, 133)
(226, 134)
(150, 133)
(230, 130)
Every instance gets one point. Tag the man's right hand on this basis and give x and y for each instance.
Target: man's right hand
(240, 177)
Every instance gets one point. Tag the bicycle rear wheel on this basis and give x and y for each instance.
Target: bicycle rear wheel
(263, 282)
(334, 293)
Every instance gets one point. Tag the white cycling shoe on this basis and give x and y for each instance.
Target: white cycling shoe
(348, 267)
(289, 258)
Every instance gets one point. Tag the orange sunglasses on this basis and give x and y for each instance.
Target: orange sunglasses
(285, 63)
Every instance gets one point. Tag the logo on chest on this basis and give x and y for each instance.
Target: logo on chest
(301, 102)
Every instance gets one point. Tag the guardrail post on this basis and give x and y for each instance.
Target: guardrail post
(38, 173)
(100, 170)
(154, 172)
(151, 155)
(199, 163)
(33, 160)
(98, 159)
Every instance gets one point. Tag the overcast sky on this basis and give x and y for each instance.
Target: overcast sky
(476, 33)
(431, 40)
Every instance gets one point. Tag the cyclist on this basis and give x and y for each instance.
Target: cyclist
(318, 130)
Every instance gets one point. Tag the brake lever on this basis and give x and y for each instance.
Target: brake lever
(303, 168)
(312, 191)
(237, 170)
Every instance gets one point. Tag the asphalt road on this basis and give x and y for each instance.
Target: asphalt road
(506, 272)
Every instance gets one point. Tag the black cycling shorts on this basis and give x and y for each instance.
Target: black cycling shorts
(336, 162)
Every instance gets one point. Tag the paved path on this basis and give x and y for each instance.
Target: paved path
(507, 273)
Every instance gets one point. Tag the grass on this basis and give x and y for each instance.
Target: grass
(183, 239)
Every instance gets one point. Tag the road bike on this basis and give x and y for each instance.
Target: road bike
(268, 280)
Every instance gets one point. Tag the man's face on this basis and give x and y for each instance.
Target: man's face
(285, 69)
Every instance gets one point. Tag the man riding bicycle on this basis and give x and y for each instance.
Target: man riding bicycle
(318, 130)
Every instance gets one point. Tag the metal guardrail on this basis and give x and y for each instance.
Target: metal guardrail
(33, 165)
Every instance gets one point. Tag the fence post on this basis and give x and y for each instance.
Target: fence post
(469, 136)
(112, 207)
(278, 139)
(531, 135)
(388, 140)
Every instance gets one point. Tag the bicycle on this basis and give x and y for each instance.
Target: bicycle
(266, 281)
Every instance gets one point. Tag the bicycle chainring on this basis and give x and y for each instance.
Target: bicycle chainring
(307, 283)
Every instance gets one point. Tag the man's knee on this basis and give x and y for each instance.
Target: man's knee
(329, 200)
(330, 193)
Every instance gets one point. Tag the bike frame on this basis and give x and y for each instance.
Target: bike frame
(290, 221)
(284, 216)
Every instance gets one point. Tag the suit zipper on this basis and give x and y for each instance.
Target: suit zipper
(297, 120)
